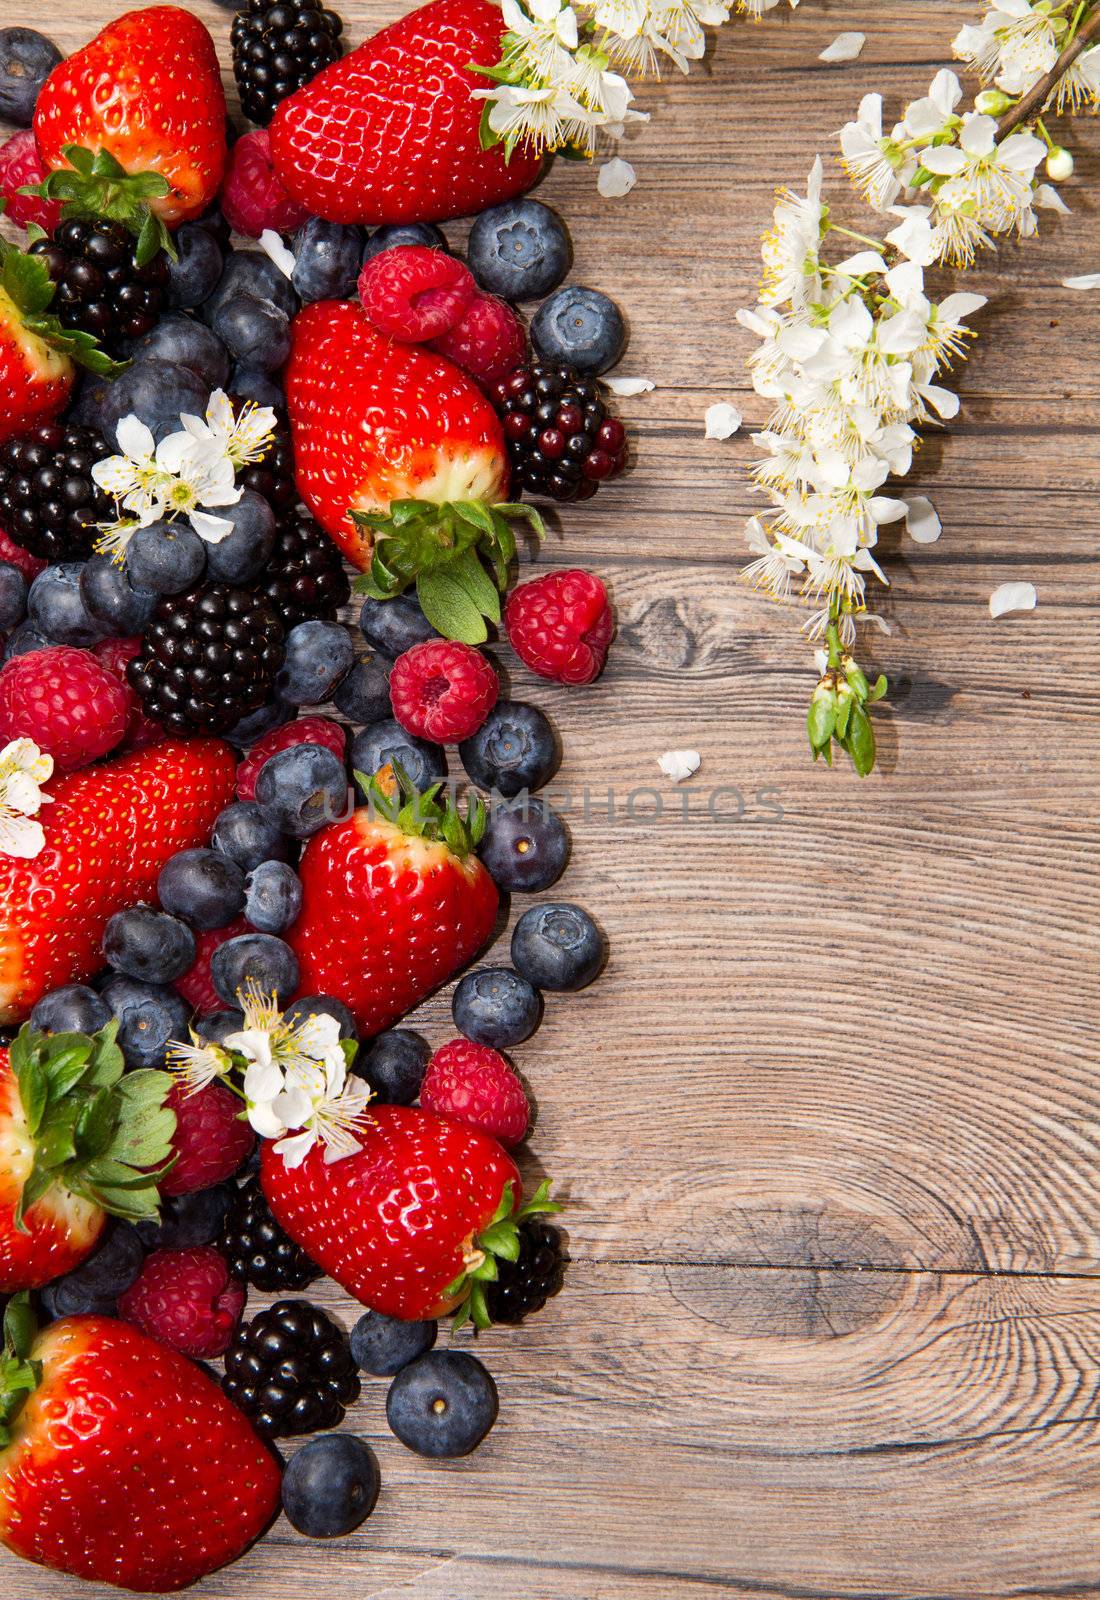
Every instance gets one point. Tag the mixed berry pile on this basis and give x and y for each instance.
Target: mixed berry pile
(239, 800)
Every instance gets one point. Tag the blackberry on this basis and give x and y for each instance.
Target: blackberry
(291, 1370)
(256, 1248)
(278, 45)
(208, 658)
(272, 476)
(100, 287)
(523, 1287)
(304, 577)
(562, 440)
(49, 502)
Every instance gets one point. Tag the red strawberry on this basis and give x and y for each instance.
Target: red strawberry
(303, 730)
(126, 1463)
(390, 910)
(147, 90)
(21, 165)
(187, 1299)
(210, 1142)
(75, 1138)
(391, 133)
(109, 831)
(196, 986)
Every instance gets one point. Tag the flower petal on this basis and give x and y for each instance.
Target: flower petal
(1012, 597)
(616, 178)
(722, 420)
(845, 47)
(925, 526)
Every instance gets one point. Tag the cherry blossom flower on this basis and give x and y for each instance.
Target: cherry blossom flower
(24, 768)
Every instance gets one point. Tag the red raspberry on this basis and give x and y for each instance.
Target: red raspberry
(66, 701)
(473, 1083)
(414, 294)
(442, 690)
(252, 197)
(196, 985)
(21, 164)
(306, 730)
(29, 565)
(561, 625)
(211, 1141)
(488, 342)
(141, 730)
(186, 1299)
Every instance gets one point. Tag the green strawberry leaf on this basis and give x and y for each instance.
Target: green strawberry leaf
(449, 609)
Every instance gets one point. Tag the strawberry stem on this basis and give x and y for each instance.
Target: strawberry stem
(27, 284)
(499, 1241)
(424, 815)
(19, 1375)
(95, 184)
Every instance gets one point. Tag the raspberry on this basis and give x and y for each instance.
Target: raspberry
(442, 690)
(306, 730)
(141, 730)
(30, 566)
(488, 342)
(66, 701)
(252, 197)
(210, 1142)
(186, 1299)
(196, 986)
(21, 164)
(414, 294)
(473, 1083)
(561, 625)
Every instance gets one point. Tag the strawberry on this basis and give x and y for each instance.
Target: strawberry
(74, 1136)
(122, 1461)
(402, 460)
(391, 908)
(391, 133)
(145, 97)
(109, 831)
(412, 1225)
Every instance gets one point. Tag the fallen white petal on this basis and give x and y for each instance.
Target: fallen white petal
(1012, 597)
(821, 658)
(679, 764)
(1090, 280)
(845, 47)
(272, 245)
(723, 420)
(925, 526)
(624, 387)
(616, 178)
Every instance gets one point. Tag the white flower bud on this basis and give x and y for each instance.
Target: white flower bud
(1059, 164)
(993, 102)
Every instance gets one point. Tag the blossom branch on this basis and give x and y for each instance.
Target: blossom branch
(1036, 98)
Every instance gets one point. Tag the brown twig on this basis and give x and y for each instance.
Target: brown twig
(1036, 98)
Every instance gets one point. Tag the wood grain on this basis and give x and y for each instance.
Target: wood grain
(829, 1126)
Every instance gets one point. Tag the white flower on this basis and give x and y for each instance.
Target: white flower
(988, 183)
(1014, 45)
(722, 420)
(926, 118)
(679, 765)
(791, 248)
(778, 561)
(198, 1064)
(1079, 85)
(1012, 597)
(245, 436)
(187, 471)
(536, 115)
(24, 768)
(135, 479)
(876, 165)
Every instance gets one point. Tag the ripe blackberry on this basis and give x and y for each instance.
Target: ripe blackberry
(305, 577)
(562, 440)
(272, 477)
(523, 1287)
(290, 1369)
(208, 658)
(257, 1249)
(49, 502)
(100, 287)
(278, 45)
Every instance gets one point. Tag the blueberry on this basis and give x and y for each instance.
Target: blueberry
(257, 957)
(112, 599)
(203, 887)
(158, 392)
(250, 383)
(272, 896)
(93, 1288)
(255, 332)
(246, 834)
(24, 639)
(519, 250)
(525, 847)
(13, 597)
(392, 234)
(274, 714)
(216, 1027)
(188, 1220)
(186, 343)
(330, 1486)
(514, 749)
(303, 789)
(312, 1005)
(364, 695)
(242, 554)
(253, 274)
(580, 326)
(387, 741)
(56, 608)
(149, 1016)
(327, 257)
(557, 946)
(194, 277)
(394, 626)
(394, 1064)
(73, 1009)
(442, 1404)
(165, 558)
(318, 655)
(383, 1345)
(495, 1006)
(27, 58)
(147, 944)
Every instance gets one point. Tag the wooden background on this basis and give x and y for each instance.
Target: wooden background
(829, 1126)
